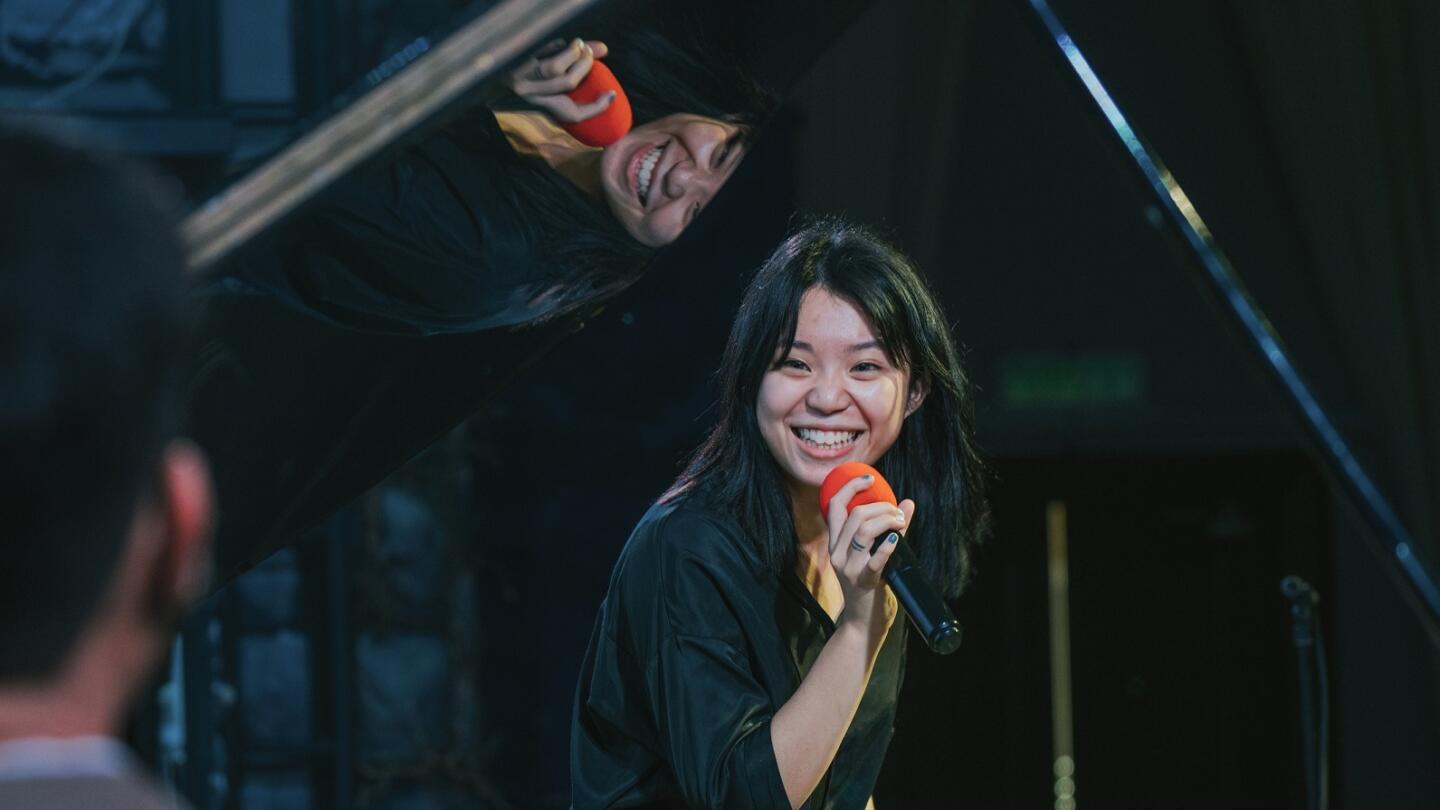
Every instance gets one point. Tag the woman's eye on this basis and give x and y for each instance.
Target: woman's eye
(723, 153)
(791, 362)
(867, 367)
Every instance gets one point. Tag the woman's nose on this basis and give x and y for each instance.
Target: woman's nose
(692, 176)
(827, 395)
(683, 177)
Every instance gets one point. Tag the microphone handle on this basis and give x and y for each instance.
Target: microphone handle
(927, 611)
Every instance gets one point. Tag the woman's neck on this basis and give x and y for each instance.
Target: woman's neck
(812, 551)
(810, 529)
(535, 134)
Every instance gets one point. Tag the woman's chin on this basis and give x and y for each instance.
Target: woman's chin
(813, 468)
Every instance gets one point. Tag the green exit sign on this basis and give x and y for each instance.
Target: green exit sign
(1072, 380)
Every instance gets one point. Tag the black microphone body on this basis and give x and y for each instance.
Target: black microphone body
(927, 611)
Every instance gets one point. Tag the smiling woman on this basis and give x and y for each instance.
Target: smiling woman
(501, 217)
(654, 179)
(745, 655)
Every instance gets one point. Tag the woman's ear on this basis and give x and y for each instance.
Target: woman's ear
(919, 387)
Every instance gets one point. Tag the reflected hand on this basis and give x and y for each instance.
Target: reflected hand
(867, 601)
(556, 69)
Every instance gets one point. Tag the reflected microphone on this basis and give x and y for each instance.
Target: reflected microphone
(610, 124)
(927, 611)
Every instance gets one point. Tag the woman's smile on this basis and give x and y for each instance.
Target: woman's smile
(642, 170)
(826, 444)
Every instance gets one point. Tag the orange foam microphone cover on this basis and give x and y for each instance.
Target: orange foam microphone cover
(912, 587)
(613, 122)
(878, 492)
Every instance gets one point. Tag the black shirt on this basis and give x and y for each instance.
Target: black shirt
(341, 344)
(694, 651)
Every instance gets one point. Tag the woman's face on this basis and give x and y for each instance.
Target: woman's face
(834, 396)
(659, 176)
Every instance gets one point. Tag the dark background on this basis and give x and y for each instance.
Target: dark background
(420, 649)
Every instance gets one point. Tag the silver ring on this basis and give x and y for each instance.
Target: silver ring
(538, 72)
(856, 545)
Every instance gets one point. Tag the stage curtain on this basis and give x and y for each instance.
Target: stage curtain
(1351, 89)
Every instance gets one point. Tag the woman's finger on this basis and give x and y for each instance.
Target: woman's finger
(882, 554)
(559, 64)
(579, 69)
(857, 535)
(594, 108)
(533, 69)
(844, 495)
(847, 545)
(857, 569)
(555, 46)
(874, 525)
(855, 521)
(556, 74)
(878, 523)
(836, 517)
(907, 508)
(549, 49)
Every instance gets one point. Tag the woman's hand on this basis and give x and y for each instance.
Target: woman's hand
(556, 69)
(868, 603)
(807, 730)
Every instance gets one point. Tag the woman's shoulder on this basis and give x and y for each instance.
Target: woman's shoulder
(688, 524)
(686, 566)
(684, 536)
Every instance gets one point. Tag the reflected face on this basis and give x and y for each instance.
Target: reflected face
(833, 396)
(662, 173)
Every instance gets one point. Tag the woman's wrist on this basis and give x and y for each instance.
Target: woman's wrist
(866, 632)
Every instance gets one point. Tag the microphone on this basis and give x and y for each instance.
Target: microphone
(611, 124)
(927, 611)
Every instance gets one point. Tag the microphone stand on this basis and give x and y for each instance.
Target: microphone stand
(1310, 671)
(1388, 537)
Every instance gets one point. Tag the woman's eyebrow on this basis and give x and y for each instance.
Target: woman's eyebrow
(852, 348)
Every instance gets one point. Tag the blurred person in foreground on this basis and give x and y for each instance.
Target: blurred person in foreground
(107, 513)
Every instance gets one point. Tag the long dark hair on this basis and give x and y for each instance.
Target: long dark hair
(933, 460)
(666, 65)
(675, 67)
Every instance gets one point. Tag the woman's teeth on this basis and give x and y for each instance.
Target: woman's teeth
(828, 439)
(647, 169)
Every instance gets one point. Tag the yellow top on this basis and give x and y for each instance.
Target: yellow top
(534, 133)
